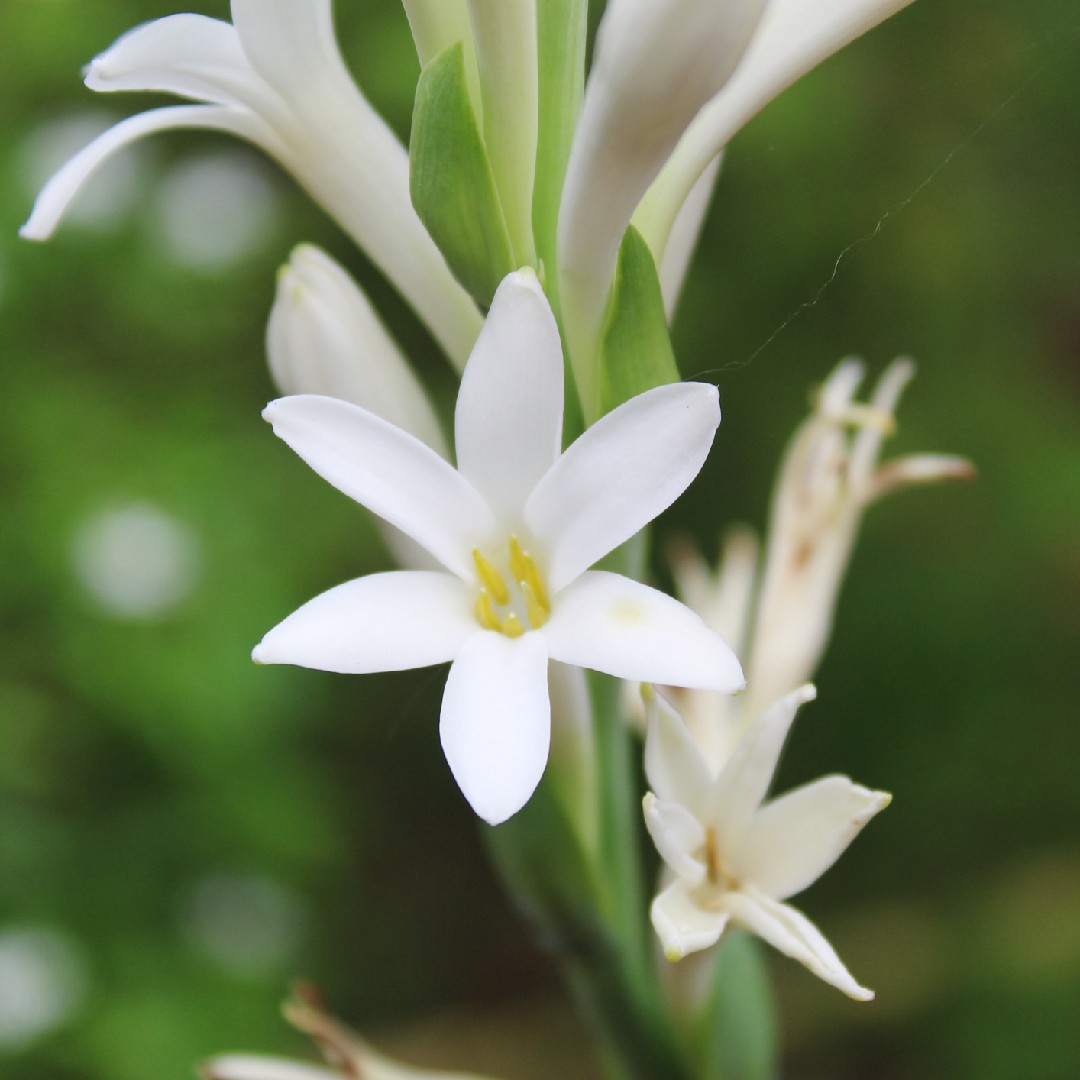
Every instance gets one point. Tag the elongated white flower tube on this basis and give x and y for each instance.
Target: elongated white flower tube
(276, 78)
(324, 337)
(793, 37)
(735, 858)
(515, 528)
(656, 63)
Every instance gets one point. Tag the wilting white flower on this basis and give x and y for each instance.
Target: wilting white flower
(276, 78)
(735, 859)
(324, 337)
(515, 527)
(656, 63)
(348, 1056)
(792, 37)
(829, 476)
(778, 616)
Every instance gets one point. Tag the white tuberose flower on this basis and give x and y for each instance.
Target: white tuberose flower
(276, 78)
(516, 526)
(737, 860)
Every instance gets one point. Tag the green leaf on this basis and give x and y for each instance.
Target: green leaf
(738, 1036)
(451, 182)
(636, 352)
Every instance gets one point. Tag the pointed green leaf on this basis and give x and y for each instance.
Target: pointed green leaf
(636, 352)
(451, 182)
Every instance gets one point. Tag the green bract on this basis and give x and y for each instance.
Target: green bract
(451, 181)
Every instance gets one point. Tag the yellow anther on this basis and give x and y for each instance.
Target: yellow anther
(486, 613)
(491, 578)
(512, 627)
(524, 570)
(538, 614)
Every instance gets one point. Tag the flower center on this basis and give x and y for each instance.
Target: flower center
(513, 602)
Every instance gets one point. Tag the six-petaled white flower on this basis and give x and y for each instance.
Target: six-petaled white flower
(735, 860)
(516, 527)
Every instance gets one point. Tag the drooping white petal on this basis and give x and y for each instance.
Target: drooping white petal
(496, 721)
(793, 934)
(674, 765)
(324, 337)
(64, 185)
(742, 785)
(656, 63)
(794, 839)
(189, 55)
(383, 622)
(508, 420)
(260, 1067)
(678, 836)
(385, 469)
(793, 37)
(682, 925)
(917, 469)
(610, 623)
(627, 468)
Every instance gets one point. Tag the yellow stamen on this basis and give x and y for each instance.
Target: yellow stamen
(486, 613)
(712, 857)
(491, 578)
(512, 627)
(538, 614)
(524, 570)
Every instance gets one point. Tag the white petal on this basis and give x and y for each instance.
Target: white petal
(389, 472)
(259, 1067)
(656, 63)
(64, 184)
(682, 926)
(678, 837)
(436, 24)
(289, 43)
(508, 421)
(324, 337)
(627, 468)
(384, 622)
(674, 765)
(793, 37)
(189, 55)
(612, 624)
(496, 721)
(742, 785)
(867, 443)
(790, 931)
(918, 469)
(793, 840)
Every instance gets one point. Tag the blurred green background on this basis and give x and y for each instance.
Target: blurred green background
(181, 834)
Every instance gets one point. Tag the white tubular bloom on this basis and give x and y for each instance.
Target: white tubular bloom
(829, 476)
(656, 63)
(276, 78)
(735, 858)
(515, 527)
(324, 337)
(506, 55)
(674, 261)
(793, 37)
